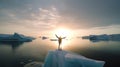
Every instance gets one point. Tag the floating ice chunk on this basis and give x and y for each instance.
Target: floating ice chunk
(15, 37)
(66, 59)
(34, 64)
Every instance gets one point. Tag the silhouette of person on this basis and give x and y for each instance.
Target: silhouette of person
(59, 41)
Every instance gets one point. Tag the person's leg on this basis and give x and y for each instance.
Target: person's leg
(58, 46)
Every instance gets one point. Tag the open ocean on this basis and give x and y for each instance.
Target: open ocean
(18, 54)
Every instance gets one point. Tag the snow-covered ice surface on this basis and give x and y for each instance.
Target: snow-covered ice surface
(67, 59)
(59, 58)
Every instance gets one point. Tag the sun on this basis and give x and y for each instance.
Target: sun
(63, 32)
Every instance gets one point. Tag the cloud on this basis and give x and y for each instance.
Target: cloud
(91, 13)
(44, 19)
(41, 18)
(106, 27)
(49, 14)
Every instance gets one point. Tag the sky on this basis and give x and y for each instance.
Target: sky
(34, 17)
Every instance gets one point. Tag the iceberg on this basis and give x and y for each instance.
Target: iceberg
(53, 40)
(44, 37)
(103, 37)
(59, 58)
(15, 37)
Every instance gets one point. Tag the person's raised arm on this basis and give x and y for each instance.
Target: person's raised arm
(56, 36)
(63, 37)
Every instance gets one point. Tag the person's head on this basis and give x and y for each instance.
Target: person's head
(60, 37)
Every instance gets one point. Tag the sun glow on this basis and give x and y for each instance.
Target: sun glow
(63, 32)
